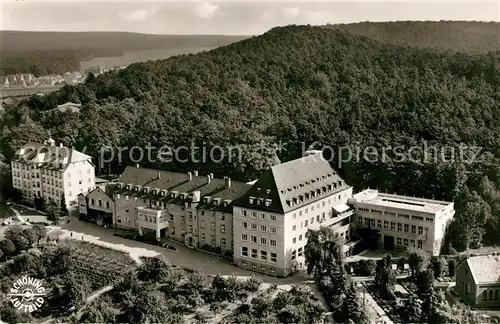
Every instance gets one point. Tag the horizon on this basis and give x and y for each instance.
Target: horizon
(229, 18)
(242, 35)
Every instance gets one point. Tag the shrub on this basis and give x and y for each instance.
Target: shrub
(252, 284)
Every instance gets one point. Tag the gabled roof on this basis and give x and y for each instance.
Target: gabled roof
(108, 191)
(293, 184)
(174, 181)
(485, 268)
(48, 156)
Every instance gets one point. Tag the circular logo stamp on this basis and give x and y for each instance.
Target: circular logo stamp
(27, 294)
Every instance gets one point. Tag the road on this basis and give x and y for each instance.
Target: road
(19, 92)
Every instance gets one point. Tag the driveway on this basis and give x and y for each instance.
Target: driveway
(184, 257)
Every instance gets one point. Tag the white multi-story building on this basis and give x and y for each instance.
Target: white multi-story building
(52, 173)
(271, 220)
(404, 221)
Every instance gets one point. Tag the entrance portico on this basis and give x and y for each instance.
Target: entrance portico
(152, 219)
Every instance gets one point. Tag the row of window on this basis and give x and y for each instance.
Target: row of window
(263, 240)
(371, 222)
(254, 267)
(223, 241)
(407, 243)
(99, 203)
(262, 256)
(407, 216)
(488, 294)
(212, 226)
(262, 216)
(263, 228)
(152, 219)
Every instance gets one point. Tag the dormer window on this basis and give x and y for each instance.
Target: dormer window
(163, 193)
(259, 200)
(127, 187)
(172, 195)
(118, 186)
(154, 191)
(268, 202)
(251, 199)
(289, 203)
(301, 184)
(259, 189)
(145, 190)
(268, 191)
(136, 189)
(206, 200)
(294, 200)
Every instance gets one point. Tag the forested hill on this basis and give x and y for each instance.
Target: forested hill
(303, 84)
(455, 36)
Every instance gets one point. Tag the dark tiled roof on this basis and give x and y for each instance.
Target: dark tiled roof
(290, 185)
(173, 181)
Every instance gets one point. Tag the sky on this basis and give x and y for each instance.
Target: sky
(231, 17)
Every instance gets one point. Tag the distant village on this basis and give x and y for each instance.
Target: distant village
(28, 80)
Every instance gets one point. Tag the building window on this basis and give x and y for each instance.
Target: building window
(399, 241)
(244, 212)
(485, 295)
(213, 240)
(379, 223)
(393, 226)
(263, 228)
(100, 202)
(407, 228)
(254, 254)
(223, 217)
(223, 242)
(107, 204)
(386, 224)
(244, 224)
(413, 229)
(419, 244)
(413, 243)
(92, 201)
(253, 238)
(244, 237)
(273, 257)
(263, 216)
(405, 242)
(420, 230)
(306, 223)
(273, 217)
(253, 227)
(294, 240)
(263, 241)
(294, 227)
(203, 237)
(244, 251)
(254, 214)
(223, 228)
(300, 237)
(299, 252)
(273, 242)
(263, 255)
(294, 255)
(213, 226)
(273, 230)
(190, 228)
(400, 227)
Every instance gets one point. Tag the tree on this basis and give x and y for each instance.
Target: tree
(10, 315)
(154, 269)
(425, 281)
(352, 308)
(40, 232)
(417, 260)
(438, 265)
(20, 242)
(100, 310)
(30, 235)
(53, 212)
(8, 247)
(323, 252)
(412, 310)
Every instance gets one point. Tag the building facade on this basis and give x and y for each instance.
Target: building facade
(97, 206)
(197, 209)
(404, 221)
(272, 219)
(49, 173)
(478, 280)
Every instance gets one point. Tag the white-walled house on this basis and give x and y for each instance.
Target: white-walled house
(53, 173)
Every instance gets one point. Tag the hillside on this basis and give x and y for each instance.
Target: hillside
(299, 85)
(58, 52)
(455, 36)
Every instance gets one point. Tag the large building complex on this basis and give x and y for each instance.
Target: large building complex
(404, 221)
(194, 210)
(263, 224)
(52, 173)
(271, 220)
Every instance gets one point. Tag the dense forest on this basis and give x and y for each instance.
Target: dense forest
(43, 53)
(454, 36)
(295, 85)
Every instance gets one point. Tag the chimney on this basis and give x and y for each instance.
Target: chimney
(190, 175)
(227, 182)
(159, 175)
(211, 175)
(61, 145)
(195, 173)
(137, 166)
(208, 178)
